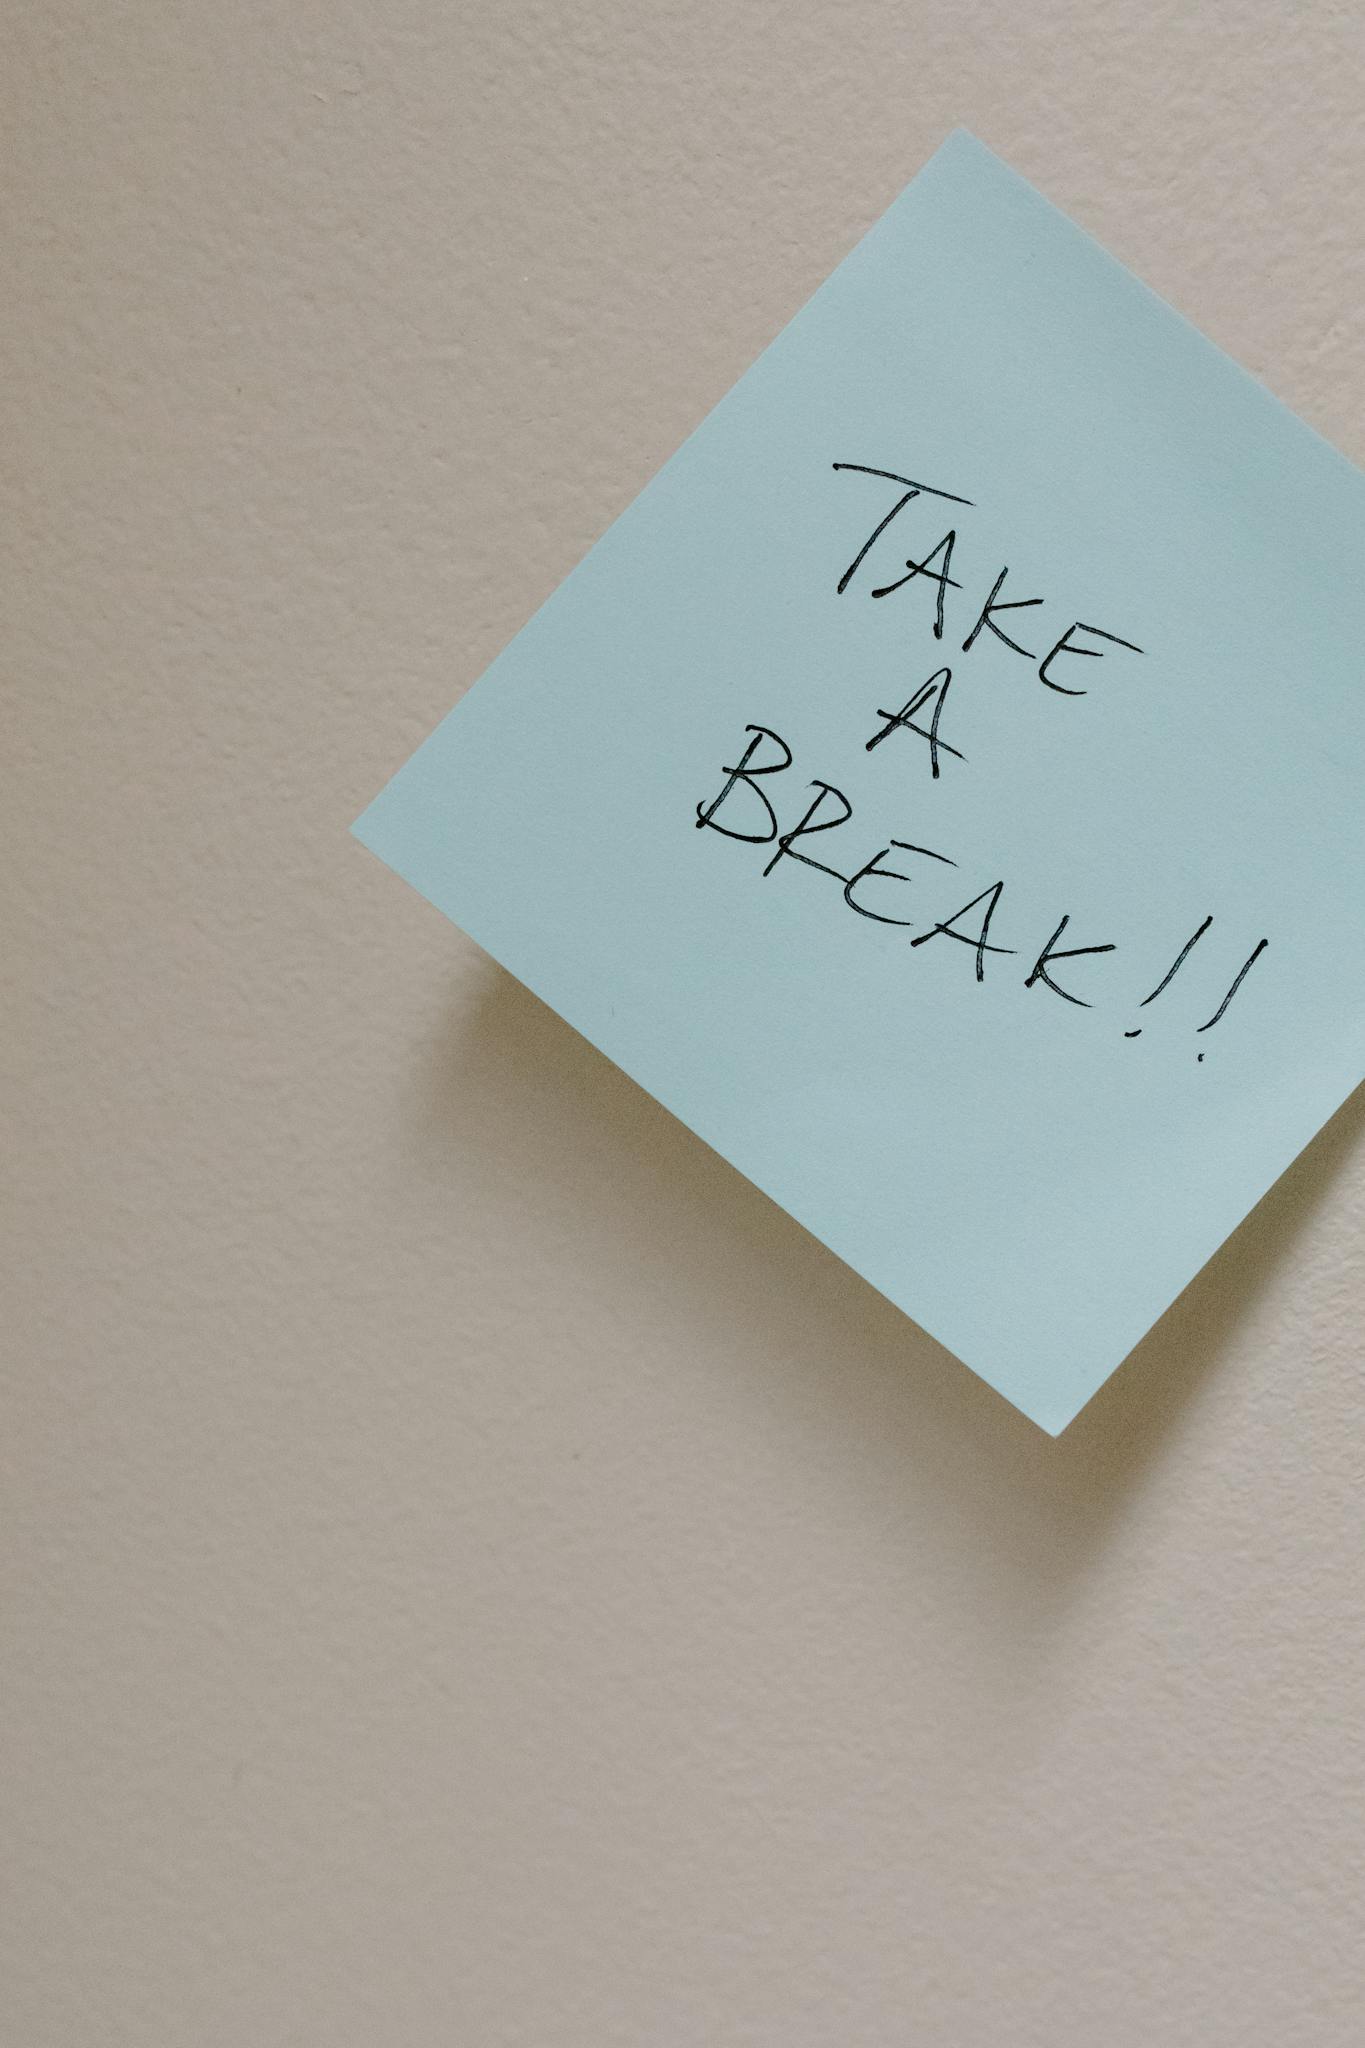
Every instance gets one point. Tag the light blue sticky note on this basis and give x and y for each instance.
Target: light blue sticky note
(1068, 961)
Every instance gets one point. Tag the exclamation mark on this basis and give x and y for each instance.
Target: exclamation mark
(1242, 973)
(1171, 972)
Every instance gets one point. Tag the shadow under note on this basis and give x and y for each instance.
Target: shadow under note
(512, 1084)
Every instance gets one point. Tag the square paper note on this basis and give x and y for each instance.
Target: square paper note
(943, 787)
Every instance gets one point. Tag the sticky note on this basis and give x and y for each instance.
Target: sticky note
(944, 786)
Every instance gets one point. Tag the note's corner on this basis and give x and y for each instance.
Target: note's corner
(365, 828)
(964, 141)
(1054, 1426)
(962, 157)
(1050, 1416)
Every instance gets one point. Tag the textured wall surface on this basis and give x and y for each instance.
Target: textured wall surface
(473, 1571)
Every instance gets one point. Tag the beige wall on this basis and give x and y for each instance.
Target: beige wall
(474, 1572)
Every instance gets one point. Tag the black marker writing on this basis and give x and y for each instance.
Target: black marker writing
(706, 813)
(1051, 952)
(873, 870)
(1179, 961)
(988, 611)
(904, 721)
(1171, 972)
(936, 567)
(1242, 973)
(947, 929)
(886, 879)
(787, 840)
(1064, 646)
(911, 490)
(881, 887)
(938, 576)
